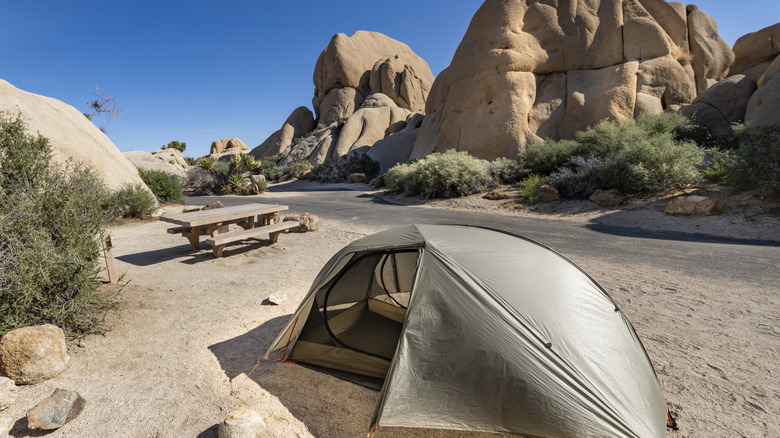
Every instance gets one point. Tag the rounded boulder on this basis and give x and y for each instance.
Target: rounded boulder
(31, 355)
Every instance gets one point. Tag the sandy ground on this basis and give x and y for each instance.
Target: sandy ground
(192, 327)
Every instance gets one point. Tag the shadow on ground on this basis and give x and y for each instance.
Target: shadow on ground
(308, 186)
(189, 257)
(615, 224)
(331, 404)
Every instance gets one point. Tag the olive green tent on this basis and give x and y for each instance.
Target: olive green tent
(477, 329)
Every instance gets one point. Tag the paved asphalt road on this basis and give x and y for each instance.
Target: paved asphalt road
(695, 254)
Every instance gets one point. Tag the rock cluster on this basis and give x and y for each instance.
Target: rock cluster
(528, 70)
(165, 160)
(227, 147)
(367, 88)
(752, 91)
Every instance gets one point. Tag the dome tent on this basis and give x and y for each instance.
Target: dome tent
(481, 330)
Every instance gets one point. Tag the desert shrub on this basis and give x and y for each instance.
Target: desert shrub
(200, 181)
(651, 164)
(643, 155)
(440, 175)
(546, 157)
(331, 171)
(578, 178)
(179, 146)
(262, 186)
(753, 163)
(165, 186)
(362, 163)
(396, 176)
(338, 170)
(234, 183)
(297, 169)
(528, 187)
(134, 201)
(190, 161)
(269, 167)
(207, 164)
(506, 171)
(50, 220)
(241, 163)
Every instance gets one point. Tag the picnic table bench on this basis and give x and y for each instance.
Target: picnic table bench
(215, 223)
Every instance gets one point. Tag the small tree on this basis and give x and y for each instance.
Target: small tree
(103, 103)
(179, 146)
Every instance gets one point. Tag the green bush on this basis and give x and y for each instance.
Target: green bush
(165, 186)
(579, 178)
(134, 201)
(506, 171)
(179, 146)
(269, 167)
(528, 188)
(754, 161)
(50, 220)
(545, 158)
(297, 169)
(440, 175)
(241, 163)
(635, 156)
(234, 183)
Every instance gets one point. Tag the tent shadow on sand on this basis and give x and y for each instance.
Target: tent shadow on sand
(329, 403)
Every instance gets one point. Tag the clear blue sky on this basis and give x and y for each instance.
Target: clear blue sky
(198, 71)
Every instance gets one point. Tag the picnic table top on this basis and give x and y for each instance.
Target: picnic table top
(224, 214)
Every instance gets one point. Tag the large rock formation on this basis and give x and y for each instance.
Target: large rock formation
(367, 86)
(228, 145)
(754, 52)
(721, 105)
(351, 68)
(751, 93)
(527, 70)
(764, 106)
(758, 56)
(70, 134)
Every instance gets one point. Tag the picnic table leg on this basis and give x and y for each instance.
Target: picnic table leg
(194, 237)
(217, 249)
(249, 224)
(274, 236)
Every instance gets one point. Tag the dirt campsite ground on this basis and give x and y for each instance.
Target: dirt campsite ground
(192, 327)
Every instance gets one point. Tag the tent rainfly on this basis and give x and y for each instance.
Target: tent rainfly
(480, 330)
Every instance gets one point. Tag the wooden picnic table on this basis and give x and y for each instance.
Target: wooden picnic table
(215, 222)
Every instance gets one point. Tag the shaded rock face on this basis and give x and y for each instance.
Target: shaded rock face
(752, 91)
(722, 104)
(300, 123)
(527, 70)
(70, 134)
(367, 87)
